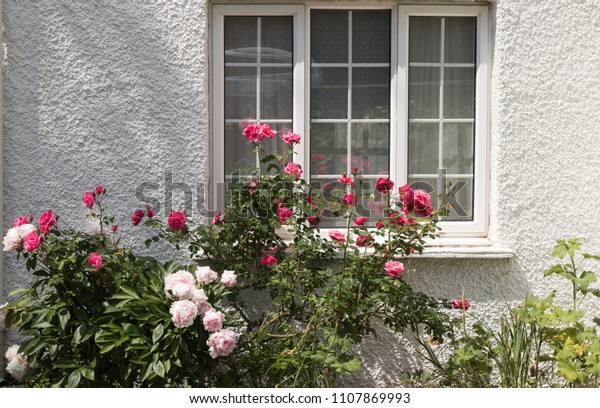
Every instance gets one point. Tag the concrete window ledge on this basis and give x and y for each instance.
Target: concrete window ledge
(465, 248)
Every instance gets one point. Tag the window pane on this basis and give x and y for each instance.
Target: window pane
(459, 93)
(370, 93)
(371, 37)
(277, 40)
(371, 148)
(460, 39)
(240, 39)
(424, 39)
(276, 96)
(329, 36)
(329, 93)
(329, 148)
(424, 92)
(460, 198)
(458, 148)
(423, 148)
(238, 155)
(240, 92)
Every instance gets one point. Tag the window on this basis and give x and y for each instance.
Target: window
(397, 91)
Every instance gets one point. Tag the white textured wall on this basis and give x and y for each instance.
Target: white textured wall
(115, 92)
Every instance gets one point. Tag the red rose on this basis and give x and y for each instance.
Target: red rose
(422, 203)
(350, 199)
(114, 228)
(313, 220)
(88, 199)
(149, 211)
(47, 220)
(384, 185)
(380, 225)
(360, 220)
(407, 195)
(363, 241)
(176, 220)
(137, 216)
(217, 218)
(461, 304)
(99, 190)
(284, 214)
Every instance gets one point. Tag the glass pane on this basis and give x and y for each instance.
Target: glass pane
(329, 36)
(240, 39)
(371, 148)
(371, 93)
(424, 92)
(460, 39)
(424, 39)
(423, 148)
(371, 36)
(374, 202)
(238, 152)
(459, 93)
(458, 148)
(276, 93)
(332, 191)
(277, 39)
(460, 198)
(329, 148)
(329, 93)
(240, 93)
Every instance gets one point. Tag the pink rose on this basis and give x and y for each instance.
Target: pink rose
(284, 214)
(255, 132)
(350, 199)
(337, 236)
(422, 204)
(360, 220)
(291, 138)
(346, 179)
(461, 304)
(94, 260)
(32, 241)
(205, 275)
(400, 219)
(213, 320)
(293, 168)
(181, 277)
(228, 278)
(137, 216)
(268, 260)
(384, 185)
(363, 241)
(217, 218)
(20, 221)
(88, 199)
(176, 220)
(394, 268)
(183, 313)
(355, 170)
(221, 343)
(407, 195)
(46, 221)
(100, 190)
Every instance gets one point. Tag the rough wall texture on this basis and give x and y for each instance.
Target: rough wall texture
(115, 92)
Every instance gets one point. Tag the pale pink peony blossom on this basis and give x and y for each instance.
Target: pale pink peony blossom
(12, 240)
(200, 299)
(17, 368)
(221, 343)
(178, 278)
(213, 320)
(205, 275)
(12, 352)
(228, 278)
(183, 313)
(183, 291)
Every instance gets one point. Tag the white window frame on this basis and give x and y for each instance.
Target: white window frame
(478, 227)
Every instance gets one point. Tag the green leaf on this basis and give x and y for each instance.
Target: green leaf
(74, 379)
(157, 333)
(88, 373)
(130, 291)
(79, 333)
(159, 369)
(63, 317)
(590, 256)
(131, 330)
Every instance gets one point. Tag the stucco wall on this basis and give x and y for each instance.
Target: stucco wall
(116, 92)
